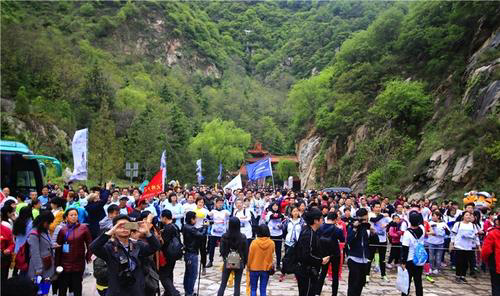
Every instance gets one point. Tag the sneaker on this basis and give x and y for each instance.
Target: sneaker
(389, 265)
(429, 279)
(458, 280)
(210, 264)
(203, 271)
(385, 278)
(435, 271)
(376, 269)
(367, 278)
(463, 280)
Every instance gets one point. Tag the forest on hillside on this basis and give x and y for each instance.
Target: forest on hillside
(102, 65)
(208, 79)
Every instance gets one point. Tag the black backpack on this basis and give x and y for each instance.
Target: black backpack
(290, 263)
(175, 247)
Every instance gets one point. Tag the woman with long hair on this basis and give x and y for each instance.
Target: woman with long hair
(233, 242)
(8, 213)
(74, 240)
(21, 229)
(41, 261)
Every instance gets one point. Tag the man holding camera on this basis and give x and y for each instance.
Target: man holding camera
(358, 241)
(123, 255)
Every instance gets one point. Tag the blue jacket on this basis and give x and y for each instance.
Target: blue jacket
(358, 241)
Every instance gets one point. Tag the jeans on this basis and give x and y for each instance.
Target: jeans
(357, 277)
(166, 274)
(435, 255)
(415, 273)
(191, 272)
(254, 278)
(237, 281)
(277, 249)
(334, 261)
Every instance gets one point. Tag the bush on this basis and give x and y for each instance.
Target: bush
(87, 9)
(405, 103)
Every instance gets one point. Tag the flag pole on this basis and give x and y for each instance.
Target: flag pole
(271, 167)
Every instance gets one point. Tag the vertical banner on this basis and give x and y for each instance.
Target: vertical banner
(79, 147)
(198, 171)
(219, 177)
(163, 167)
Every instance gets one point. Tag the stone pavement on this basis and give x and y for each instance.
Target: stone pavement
(444, 284)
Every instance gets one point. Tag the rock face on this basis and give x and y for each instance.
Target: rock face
(307, 152)
(445, 170)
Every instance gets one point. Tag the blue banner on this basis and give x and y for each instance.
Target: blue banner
(259, 169)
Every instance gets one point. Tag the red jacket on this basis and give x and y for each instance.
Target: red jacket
(6, 242)
(79, 239)
(491, 246)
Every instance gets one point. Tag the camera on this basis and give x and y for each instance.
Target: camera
(125, 275)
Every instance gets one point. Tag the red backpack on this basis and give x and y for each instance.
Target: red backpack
(23, 255)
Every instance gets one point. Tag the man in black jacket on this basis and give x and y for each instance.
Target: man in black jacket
(309, 254)
(329, 236)
(359, 251)
(166, 272)
(192, 239)
(123, 256)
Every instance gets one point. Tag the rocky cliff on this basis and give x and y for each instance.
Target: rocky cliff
(446, 170)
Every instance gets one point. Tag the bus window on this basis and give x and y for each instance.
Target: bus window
(25, 181)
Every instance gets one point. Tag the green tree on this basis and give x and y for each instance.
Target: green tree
(220, 141)
(105, 156)
(271, 137)
(286, 168)
(22, 102)
(405, 103)
(96, 88)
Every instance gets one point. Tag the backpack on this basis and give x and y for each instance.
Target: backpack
(233, 260)
(290, 263)
(174, 248)
(151, 279)
(22, 259)
(420, 255)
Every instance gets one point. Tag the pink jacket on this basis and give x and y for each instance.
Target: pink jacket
(395, 234)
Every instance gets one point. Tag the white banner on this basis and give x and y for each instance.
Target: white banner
(79, 147)
(235, 183)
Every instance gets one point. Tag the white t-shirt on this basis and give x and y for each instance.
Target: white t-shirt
(464, 236)
(188, 207)
(380, 229)
(426, 214)
(439, 233)
(275, 225)
(220, 222)
(410, 241)
(245, 216)
(293, 231)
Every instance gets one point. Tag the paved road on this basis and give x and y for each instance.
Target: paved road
(444, 285)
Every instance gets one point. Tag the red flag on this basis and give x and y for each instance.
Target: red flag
(154, 187)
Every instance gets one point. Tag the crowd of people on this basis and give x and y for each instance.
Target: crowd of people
(134, 242)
